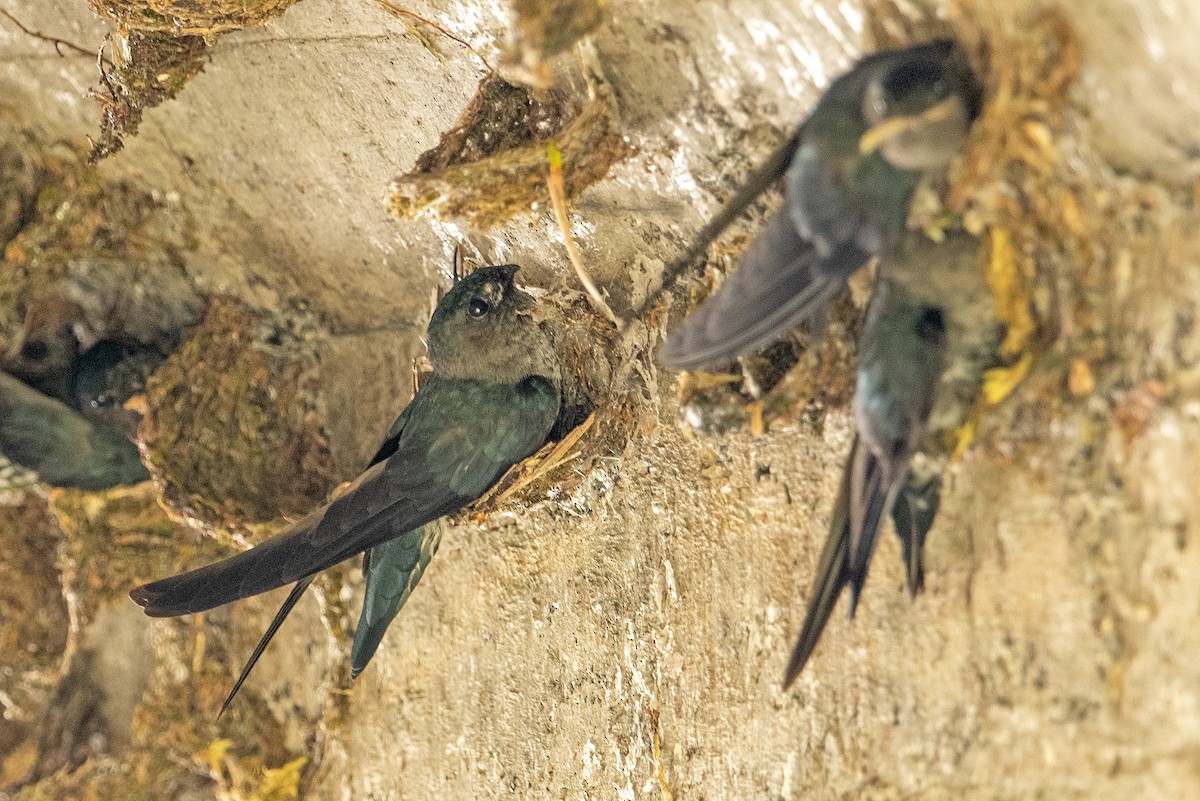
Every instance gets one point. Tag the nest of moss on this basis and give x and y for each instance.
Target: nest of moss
(33, 629)
(162, 44)
(233, 429)
(544, 28)
(495, 163)
(77, 556)
(190, 17)
(90, 260)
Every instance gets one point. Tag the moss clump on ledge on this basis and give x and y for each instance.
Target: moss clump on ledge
(163, 45)
(234, 429)
(494, 164)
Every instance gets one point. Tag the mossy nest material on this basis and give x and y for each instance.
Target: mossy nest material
(21, 177)
(162, 44)
(494, 163)
(114, 540)
(151, 67)
(91, 260)
(178, 748)
(190, 17)
(33, 628)
(234, 430)
(542, 29)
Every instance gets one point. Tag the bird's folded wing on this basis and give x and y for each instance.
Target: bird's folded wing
(393, 571)
(779, 282)
(459, 437)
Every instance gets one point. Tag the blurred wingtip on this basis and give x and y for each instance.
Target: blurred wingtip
(805, 645)
(148, 598)
(680, 353)
(140, 596)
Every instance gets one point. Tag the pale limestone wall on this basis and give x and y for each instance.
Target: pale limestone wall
(628, 642)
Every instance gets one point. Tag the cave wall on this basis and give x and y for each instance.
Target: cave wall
(627, 640)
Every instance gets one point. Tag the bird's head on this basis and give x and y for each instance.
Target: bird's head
(483, 328)
(919, 106)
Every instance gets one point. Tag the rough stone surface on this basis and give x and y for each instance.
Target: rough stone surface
(626, 640)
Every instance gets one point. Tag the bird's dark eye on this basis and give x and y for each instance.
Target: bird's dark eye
(35, 350)
(478, 307)
(932, 324)
(103, 401)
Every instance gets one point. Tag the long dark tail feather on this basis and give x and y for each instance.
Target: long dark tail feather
(831, 577)
(868, 504)
(910, 544)
(778, 282)
(758, 182)
(248, 573)
(862, 503)
(280, 616)
(913, 515)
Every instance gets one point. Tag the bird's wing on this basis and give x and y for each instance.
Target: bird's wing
(779, 281)
(913, 515)
(33, 425)
(48, 437)
(393, 570)
(819, 184)
(458, 438)
(873, 486)
(827, 586)
(386, 449)
(756, 183)
(846, 557)
(392, 441)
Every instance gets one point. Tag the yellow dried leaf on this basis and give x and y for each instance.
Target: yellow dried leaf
(758, 425)
(1038, 134)
(280, 784)
(214, 754)
(1010, 292)
(963, 437)
(999, 383)
(1080, 379)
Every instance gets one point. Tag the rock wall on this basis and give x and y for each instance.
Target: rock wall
(625, 638)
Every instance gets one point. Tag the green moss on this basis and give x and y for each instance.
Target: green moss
(487, 186)
(543, 29)
(235, 431)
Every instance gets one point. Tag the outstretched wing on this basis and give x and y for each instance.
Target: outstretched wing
(779, 281)
(393, 570)
(459, 436)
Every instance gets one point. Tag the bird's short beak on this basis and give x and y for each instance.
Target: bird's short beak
(879, 135)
